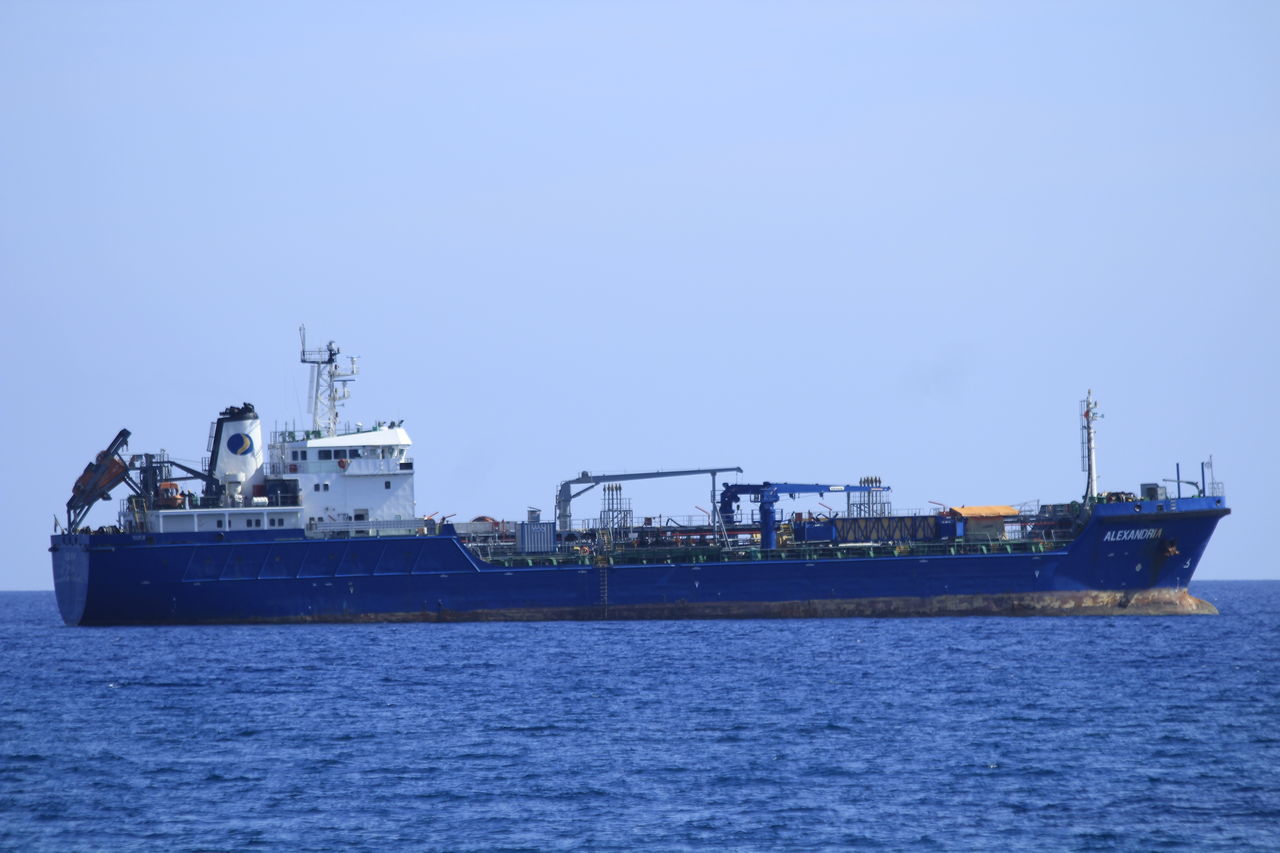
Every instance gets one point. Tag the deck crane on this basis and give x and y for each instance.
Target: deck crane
(565, 494)
(768, 493)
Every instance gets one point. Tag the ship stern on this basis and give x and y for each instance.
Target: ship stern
(70, 575)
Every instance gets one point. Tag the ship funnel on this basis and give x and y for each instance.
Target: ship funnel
(235, 446)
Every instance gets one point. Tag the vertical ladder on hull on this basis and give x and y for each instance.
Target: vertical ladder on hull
(602, 566)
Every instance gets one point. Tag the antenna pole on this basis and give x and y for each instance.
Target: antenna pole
(1089, 412)
(329, 384)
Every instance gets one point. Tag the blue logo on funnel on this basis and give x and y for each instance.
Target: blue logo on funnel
(240, 444)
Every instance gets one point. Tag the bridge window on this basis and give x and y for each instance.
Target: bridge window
(326, 454)
(355, 453)
(340, 453)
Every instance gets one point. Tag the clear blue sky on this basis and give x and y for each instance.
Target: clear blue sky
(817, 240)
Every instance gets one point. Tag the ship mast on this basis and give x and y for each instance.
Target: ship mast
(1088, 450)
(329, 384)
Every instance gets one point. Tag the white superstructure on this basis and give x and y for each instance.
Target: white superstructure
(349, 478)
(325, 482)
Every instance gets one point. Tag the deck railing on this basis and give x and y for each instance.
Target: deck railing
(384, 527)
(500, 556)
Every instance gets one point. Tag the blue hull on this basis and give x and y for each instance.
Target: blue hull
(1129, 558)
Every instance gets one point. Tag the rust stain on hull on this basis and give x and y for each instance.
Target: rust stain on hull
(1154, 602)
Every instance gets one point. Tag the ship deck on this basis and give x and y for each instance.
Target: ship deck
(810, 552)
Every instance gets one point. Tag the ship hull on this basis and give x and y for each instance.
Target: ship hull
(1128, 559)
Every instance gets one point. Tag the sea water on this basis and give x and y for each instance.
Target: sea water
(981, 733)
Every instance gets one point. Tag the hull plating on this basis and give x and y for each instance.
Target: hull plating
(1127, 560)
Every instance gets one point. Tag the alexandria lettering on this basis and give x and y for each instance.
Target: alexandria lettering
(1133, 535)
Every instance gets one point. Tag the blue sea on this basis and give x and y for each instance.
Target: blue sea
(1085, 733)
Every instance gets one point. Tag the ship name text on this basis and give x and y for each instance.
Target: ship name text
(1140, 533)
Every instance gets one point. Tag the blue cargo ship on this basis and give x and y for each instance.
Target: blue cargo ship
(319, 524)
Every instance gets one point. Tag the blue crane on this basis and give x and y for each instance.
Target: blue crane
(768, 494)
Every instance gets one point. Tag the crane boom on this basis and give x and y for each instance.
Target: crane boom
(565, 494)
(768, 494)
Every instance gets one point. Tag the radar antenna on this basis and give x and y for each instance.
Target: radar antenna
(329, 384)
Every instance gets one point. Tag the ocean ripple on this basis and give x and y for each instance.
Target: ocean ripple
(1109, 734)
